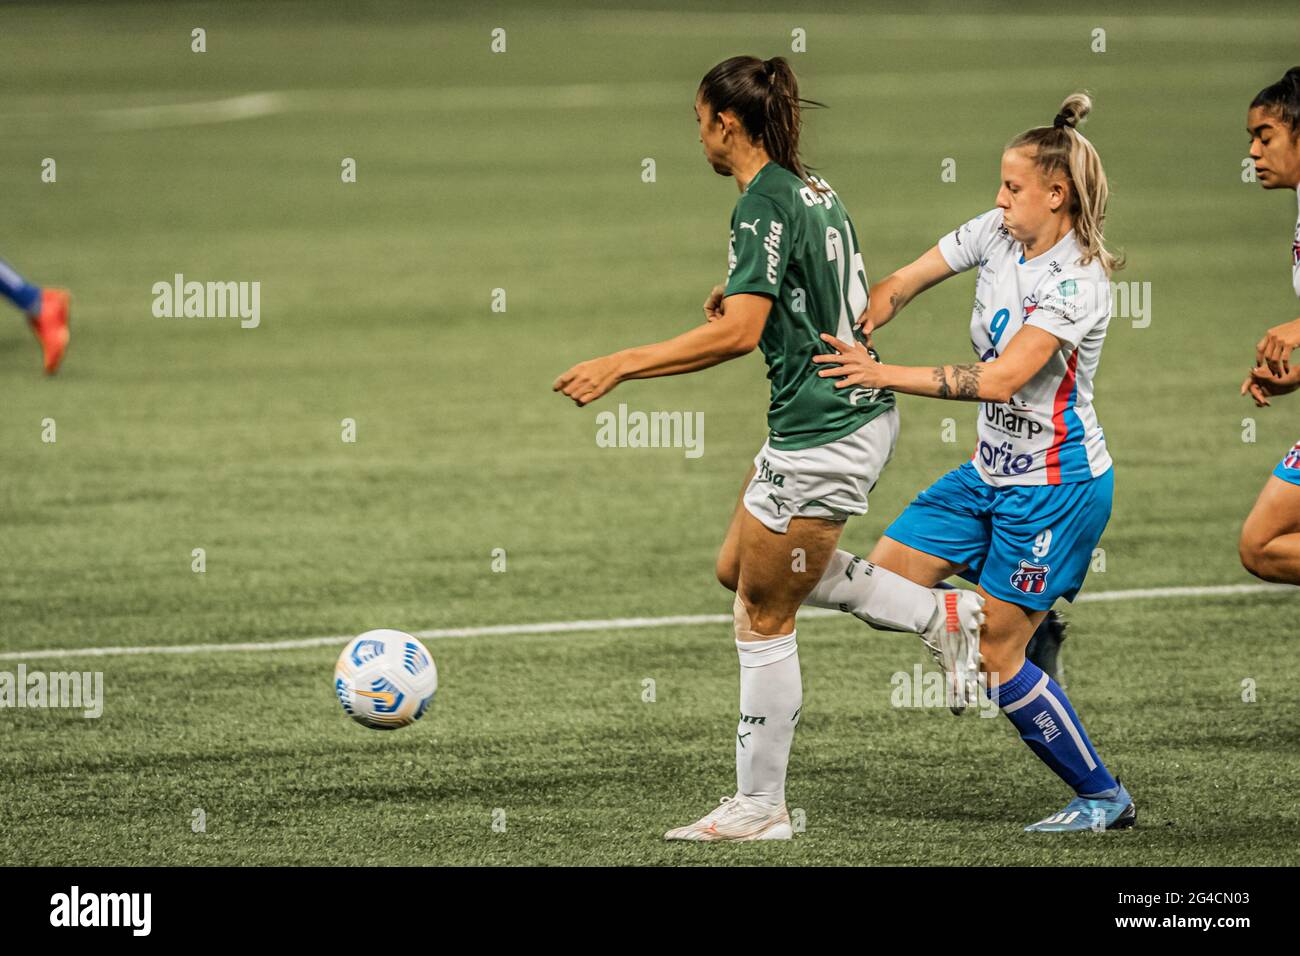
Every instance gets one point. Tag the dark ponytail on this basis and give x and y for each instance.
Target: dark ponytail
(764, 96)
(1283, 99)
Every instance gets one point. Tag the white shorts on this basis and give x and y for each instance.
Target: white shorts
(827, 481)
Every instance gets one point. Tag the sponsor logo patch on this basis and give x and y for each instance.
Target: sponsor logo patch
(773, 246)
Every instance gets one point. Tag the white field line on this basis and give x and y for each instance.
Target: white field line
(193, 114)
(612, 624)
(102, 110)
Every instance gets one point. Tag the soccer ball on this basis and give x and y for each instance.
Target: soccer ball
(385, 679)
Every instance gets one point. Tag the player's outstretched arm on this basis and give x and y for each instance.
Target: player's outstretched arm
(734, 333)
(889, 295)
(993, 381)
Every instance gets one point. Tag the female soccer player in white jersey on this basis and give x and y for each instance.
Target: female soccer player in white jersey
(1022, 517)
(795, 273)
(1270, 538)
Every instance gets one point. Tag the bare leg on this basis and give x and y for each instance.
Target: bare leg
(1270, 538)
(728, 566)
(924, 569)
(1008, 629)
(769, 587)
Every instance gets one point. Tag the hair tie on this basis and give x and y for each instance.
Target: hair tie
(1061, 121)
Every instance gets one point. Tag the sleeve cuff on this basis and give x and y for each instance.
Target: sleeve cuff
(947, 249)
(1054, 330)
(749, 289)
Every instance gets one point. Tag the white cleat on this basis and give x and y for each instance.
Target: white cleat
(737, 818)
(953, 638)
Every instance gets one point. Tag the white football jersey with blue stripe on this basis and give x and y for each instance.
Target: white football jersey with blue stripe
(1048, 433)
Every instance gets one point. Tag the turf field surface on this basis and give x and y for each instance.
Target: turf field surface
(522, 171)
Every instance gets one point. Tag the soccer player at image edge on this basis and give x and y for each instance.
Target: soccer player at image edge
(1270, 538)
(48, 312)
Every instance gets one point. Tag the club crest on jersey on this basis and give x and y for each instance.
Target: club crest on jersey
(1292, 459)
(1030, 578)
(1028, 305)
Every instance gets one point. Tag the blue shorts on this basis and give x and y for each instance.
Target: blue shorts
(1027, 544)
(1288, 469)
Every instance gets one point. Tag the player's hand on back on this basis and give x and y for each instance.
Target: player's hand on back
(1274, 349)
(587, 381)
(851, 363)
(867, 327)
(1261, 383)
(715, 304)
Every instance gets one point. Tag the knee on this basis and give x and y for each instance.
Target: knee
(1254, 557)
(756, 617)
(1001, 660)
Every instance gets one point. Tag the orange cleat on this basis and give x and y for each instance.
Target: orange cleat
(51, 326)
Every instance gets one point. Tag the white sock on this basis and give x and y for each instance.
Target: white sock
(880, 597)
(771, 696)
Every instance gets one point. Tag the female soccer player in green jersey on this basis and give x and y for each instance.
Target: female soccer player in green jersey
(794, 273)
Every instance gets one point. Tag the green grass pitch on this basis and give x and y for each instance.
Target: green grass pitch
(522, 171)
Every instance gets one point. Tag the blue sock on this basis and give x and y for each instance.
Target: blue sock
(1039, 709)
(17, 290)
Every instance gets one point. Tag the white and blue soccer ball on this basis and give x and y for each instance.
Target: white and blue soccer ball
(385, 679)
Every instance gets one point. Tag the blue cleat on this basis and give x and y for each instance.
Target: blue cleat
(1091, 813)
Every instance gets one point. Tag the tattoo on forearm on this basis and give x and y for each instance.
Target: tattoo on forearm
(941, 380)
(968, 380)
(965, 378)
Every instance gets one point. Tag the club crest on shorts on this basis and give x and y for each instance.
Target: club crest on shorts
(1292, 459)
(1030, 578)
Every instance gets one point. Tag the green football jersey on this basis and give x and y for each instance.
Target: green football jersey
(795, 244)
